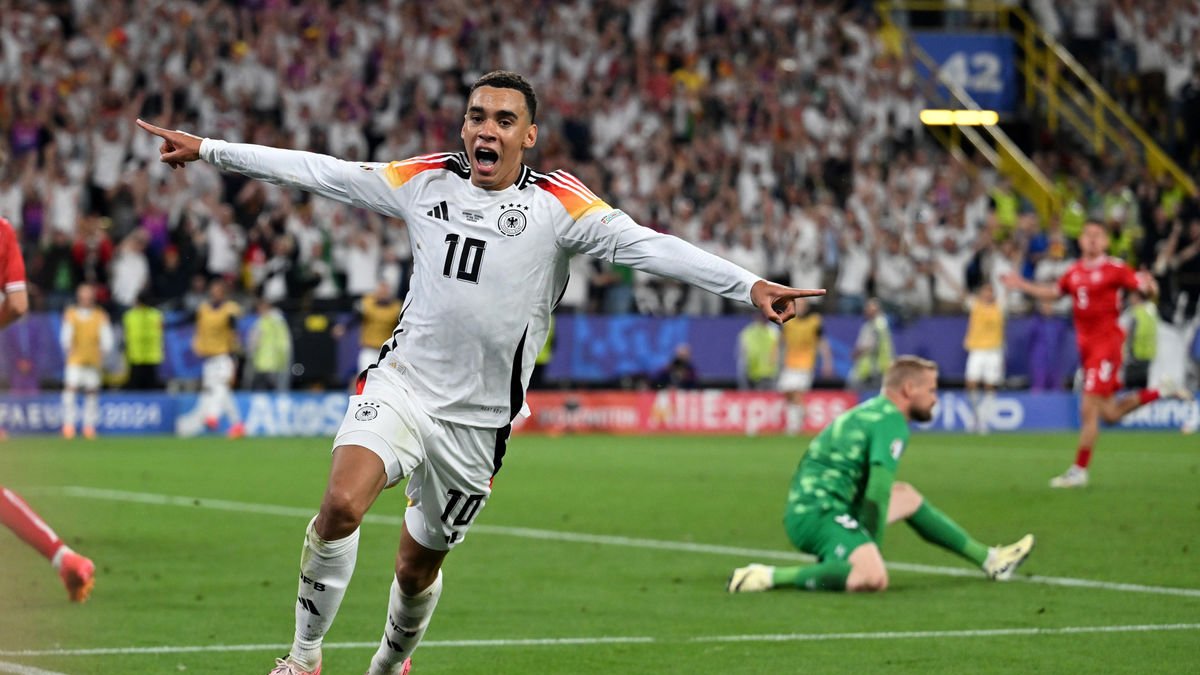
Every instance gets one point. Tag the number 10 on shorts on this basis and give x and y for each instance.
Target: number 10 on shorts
(466, 505)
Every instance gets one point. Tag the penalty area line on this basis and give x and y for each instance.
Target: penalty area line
(599, 539)
(19, 669)
(585, 641)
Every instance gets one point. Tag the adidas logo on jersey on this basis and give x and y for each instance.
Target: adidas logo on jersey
(440, 212)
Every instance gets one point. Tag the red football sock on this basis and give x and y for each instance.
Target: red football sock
(19, 518)
(1083, 456)
(1147, 396)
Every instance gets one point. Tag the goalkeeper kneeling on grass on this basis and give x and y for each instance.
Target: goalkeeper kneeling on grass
(843, 494)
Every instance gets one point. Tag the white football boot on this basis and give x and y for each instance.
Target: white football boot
(1003, 561)
(1075, 477)
(751, 578)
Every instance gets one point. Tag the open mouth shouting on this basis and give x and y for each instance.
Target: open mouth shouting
(486, 161)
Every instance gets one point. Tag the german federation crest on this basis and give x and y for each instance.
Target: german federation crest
(512, 219)
(367, 411)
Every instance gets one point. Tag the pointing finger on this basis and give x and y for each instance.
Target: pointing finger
(157, 131)
(794, 293)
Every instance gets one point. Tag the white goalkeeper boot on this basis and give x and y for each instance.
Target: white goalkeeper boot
(751, 578)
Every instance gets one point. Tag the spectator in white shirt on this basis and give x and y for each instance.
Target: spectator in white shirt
(362, 264)
(130, 272)
(225, 242)
(62, 199)
(853, 271)
(950, 263)
(894, 276)
(110, 147)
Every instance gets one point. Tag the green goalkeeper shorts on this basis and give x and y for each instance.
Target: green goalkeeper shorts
(829, 535)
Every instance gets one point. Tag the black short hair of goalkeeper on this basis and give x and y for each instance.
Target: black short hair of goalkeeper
(505, 79)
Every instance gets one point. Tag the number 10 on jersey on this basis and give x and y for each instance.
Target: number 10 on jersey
(468, 262)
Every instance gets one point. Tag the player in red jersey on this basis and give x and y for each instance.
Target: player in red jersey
(14, 301)
(76, 571)
(1095, 283)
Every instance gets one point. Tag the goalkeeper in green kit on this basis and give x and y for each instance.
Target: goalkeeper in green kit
(843, 495)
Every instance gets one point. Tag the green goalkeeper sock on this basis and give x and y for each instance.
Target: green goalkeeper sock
(936, 527)
(827, 576)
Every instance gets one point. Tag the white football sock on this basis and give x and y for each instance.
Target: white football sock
(795, 418)
(325, 571)
(208, 407)
(56, 561)
(68, 408)
(408, 617)
(227, 405)
(986, 408)
(91, 410)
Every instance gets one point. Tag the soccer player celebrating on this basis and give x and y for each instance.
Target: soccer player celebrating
(14, 299)
(76, 571)
(1095, 282)
(494, 239)
(86, 336)
(843, 496)
(215, 342)
(802, 340)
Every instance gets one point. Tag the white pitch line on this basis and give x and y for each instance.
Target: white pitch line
(283, 647)
(941, 634)
(18, 669)
(600, 539)
(628, 640)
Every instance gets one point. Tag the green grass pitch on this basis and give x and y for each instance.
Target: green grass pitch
(609, 555)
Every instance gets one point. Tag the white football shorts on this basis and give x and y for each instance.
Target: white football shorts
(795, 379)
(86, 378)
(217, 371)
(449, 466)
(986, 366)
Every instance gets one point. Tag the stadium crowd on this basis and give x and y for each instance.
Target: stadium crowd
(782, 136)
(1146, 54)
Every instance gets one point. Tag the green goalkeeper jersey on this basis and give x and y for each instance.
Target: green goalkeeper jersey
(833, 474)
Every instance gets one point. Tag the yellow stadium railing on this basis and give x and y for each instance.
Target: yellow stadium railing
(1060, 90)
(990, 141)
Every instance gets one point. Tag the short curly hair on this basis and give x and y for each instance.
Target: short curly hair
(505, 79)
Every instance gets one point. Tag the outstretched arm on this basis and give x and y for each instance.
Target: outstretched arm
(668, 256)
(594, 228)
(14, 306)
(353, 183)
(1040, 291)
(14, 296)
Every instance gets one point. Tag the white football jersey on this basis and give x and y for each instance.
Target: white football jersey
(489, 266)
